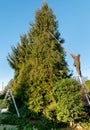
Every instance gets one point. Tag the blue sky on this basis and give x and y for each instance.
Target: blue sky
(73, 17)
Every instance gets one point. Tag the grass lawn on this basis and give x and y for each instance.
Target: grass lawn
(8, 127)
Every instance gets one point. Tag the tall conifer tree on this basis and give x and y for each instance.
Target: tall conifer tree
(47, 60)
(42, 62)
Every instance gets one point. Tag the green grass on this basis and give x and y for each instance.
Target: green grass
(8, 127)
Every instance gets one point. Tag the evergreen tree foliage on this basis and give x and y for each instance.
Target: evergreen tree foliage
(19, 54)
(47, 60)
(38, 62)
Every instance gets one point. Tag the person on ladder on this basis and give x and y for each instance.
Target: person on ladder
(77, 63)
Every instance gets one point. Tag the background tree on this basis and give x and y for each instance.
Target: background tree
(19, 55)
(88, 85)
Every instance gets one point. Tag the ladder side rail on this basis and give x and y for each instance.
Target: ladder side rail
(14, 103)
(85, 90)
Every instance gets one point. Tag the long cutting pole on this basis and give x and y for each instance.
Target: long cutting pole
(58, 42)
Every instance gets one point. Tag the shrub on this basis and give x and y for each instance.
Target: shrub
(67, 96)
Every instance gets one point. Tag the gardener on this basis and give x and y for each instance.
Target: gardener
(77, 63)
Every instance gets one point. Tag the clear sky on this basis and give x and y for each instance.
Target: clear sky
(73, 17)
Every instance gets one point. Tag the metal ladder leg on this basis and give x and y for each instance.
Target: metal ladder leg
(85, 90)
(14, 103)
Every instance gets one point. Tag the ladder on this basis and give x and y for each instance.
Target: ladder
(87, 95)
(9, 92)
